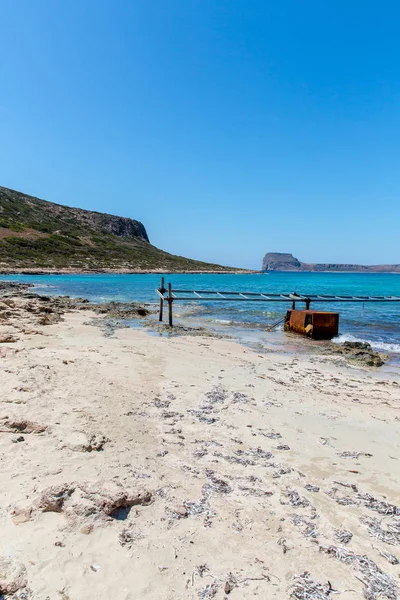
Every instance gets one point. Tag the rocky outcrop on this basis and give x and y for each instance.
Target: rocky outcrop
(123, 227)
(85, 501)
(277, 261)
(359, 353)
(17, 208)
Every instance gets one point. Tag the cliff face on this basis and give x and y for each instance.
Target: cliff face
(36, 234)
(18, 210)
(276, 261)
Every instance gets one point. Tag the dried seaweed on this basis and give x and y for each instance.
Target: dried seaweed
(201, 569)
(305, 588)
(306, 526)
(129, 535)
(201, 416)
(343, 500)
(380, 506)
(238, 397)
(343, 536)
(389, 557)
(215, 484)
(209, 591)
(199, 507)
(349, 454)
(311, 488)
(254, 491)
(280, 469)
(200, 453)
(171, 415)
(296, 500)
(218, 394)
(378, 585)
(389, 534)
(272, 435)
(255, 452)
(158, 403)
(240, 461)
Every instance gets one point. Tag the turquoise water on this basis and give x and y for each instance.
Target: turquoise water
(376, 323)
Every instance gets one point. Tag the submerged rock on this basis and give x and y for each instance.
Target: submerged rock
(118, 310)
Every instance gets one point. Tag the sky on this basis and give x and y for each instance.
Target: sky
(230, 128)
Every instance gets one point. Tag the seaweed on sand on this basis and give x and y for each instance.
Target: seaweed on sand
(305, 588)
(378, 585)
(389, 534)
(343, 536)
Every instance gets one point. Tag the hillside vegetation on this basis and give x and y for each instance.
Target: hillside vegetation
(36, 234)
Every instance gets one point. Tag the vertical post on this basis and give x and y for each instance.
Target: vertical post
(293, 301)
(308, 302)
(170, 300)
(162, 291)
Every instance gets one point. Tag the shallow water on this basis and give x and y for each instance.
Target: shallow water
(377, 323)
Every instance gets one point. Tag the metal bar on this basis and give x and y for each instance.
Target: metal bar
(161, 294)
(170, 300)
(281, 299)
(300, 297)
(228, 296)
(271, 327)
(220, 292)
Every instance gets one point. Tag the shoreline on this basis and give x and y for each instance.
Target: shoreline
(67, 271)
(119, 272)
(137, 467)
(117, 314)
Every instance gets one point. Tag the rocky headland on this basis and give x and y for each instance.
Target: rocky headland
(281, 261)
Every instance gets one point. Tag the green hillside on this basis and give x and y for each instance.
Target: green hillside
(36, 234)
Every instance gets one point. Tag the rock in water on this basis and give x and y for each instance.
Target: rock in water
(361, 353)
(280, 261)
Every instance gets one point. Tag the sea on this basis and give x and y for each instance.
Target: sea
(376, 323)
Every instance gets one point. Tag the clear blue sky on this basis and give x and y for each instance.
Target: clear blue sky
(228, 127)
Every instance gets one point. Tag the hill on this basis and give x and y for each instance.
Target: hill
(277, 261)
(38, 235)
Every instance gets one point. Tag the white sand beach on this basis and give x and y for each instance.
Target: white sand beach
(145, 467)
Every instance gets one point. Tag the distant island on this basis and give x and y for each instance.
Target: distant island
(277, 261)
(39, 236)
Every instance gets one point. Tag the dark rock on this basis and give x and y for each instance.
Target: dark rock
(279, 261)
(360, 352)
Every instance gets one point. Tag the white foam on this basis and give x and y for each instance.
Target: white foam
(379, 346)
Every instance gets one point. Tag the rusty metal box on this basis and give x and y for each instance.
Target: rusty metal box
(317, 325)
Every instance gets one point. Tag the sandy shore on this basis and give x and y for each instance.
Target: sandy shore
(141, 467)
(71, 271)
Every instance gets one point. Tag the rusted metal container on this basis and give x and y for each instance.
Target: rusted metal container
(314, 324)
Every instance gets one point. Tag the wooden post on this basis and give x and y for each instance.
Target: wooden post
(170, 300)
(308, 302)
(162, 290)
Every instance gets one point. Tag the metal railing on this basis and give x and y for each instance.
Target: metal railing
(187, 295)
